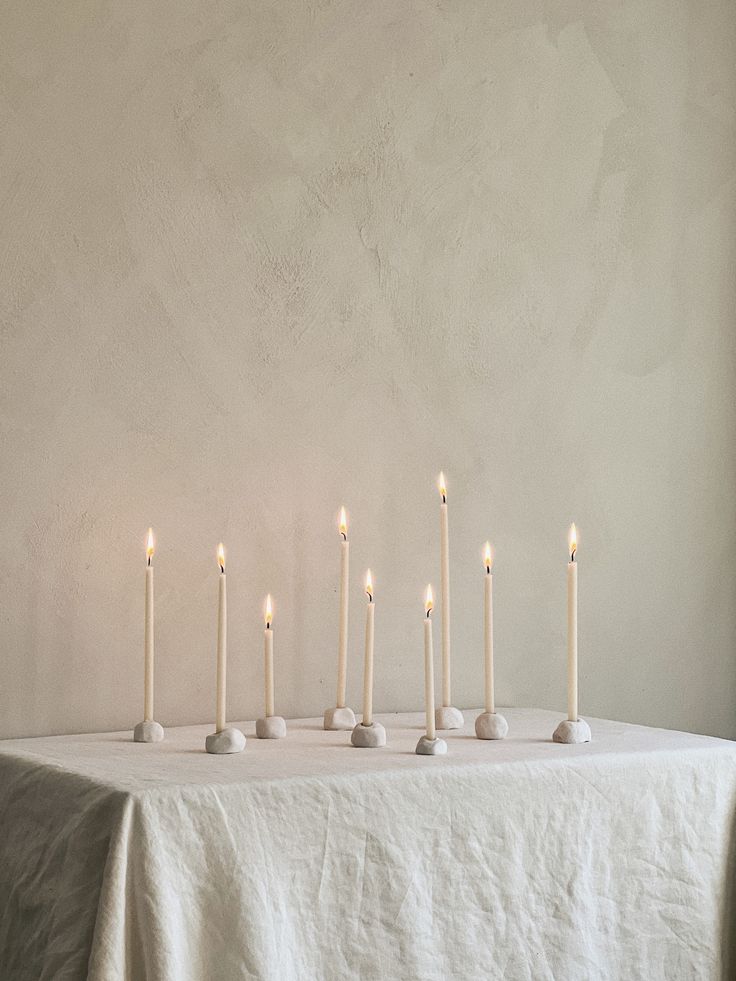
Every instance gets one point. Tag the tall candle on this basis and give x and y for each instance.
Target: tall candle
(368, 666)
(148, 634)
(342, 649)
(221, 641)
(572, 628)
(445, 592)
(268, 658)
(490, 702)
(429, 665)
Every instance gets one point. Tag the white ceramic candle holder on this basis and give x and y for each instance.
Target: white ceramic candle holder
(491, 725)
(572, 732)
(271, 727)
(225, 741)
(368, 737)
(448, 717)
(431, 747)
(339, 718)
(148, 732)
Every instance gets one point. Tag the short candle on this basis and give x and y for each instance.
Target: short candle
(429, 665)
(572, 627)
(490, 701)
(148, 638)
(368, 666)
(221, 641)
(268, 658)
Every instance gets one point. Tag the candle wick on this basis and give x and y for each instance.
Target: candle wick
(222, 569)
(444, 499)
(149, 559)
(344, 536)
(572, 555)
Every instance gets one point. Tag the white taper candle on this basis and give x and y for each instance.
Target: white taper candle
(572, 629)
(342, 650)
(429, 666)
(220, 714)
(148, 634)
(368, 666)
(268, 659)
(445, 593)
(490, 701)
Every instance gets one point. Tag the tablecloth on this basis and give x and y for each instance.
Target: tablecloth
(306, 858)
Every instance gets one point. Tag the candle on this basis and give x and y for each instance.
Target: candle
(429, 665)
(490, 702)
(148, 634)
(221, 641)
(572, 628)
(445, 592)
(368, 666)
(268, 658)
(342, 650)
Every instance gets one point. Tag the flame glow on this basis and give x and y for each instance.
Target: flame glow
(488, 556)
(369, 585)
(221, 556)
(429, 602)
(343, 523)
(269, 612)
(442, 485)
(149, 545)
(573, 540)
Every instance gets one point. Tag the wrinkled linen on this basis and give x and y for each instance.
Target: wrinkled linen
(306, 858)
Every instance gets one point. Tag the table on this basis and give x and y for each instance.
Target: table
(306, 858)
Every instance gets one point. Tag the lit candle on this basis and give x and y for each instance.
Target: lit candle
(268, 658)
(572, 628)
(429, 665)
(148, 634)
(490, 702)
(221, 641)
(445, 592)
(368, 667)
(342, 649)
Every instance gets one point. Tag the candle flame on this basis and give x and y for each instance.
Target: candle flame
(442, 485)
(429, 602)
(221, 556)
(488, 556)
(369, 585)
(149, 546)
(343, 524)
(573, 539)
(269, 612)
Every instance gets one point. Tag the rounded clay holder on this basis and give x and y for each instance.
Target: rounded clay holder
(431, 747)
(271, 727)
(368, 737)
(148, 731)
(339, 718)
(448, 717)
(228, 740)
(570, 731)
(491, 725)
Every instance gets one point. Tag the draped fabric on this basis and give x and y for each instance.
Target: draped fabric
(306, 858)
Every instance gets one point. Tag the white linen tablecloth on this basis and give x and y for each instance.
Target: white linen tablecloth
(306, 858)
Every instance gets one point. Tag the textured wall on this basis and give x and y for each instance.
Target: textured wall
(260, 259)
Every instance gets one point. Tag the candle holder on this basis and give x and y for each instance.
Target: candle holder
(271, 727)
(225, 741)
(431, 747)
(368, 736)
(491, 725)
(339, 718)
(572, 732)
(448, 717)
(148, 732)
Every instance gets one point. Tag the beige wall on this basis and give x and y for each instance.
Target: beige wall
(260, 259)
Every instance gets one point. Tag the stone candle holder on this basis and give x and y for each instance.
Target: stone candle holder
(368, 737)
(448, 717)
(491, 725)
(431, 747)
(148, 732)
(572, 732)
(228, 740)
(271, 727)
(339, 718)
